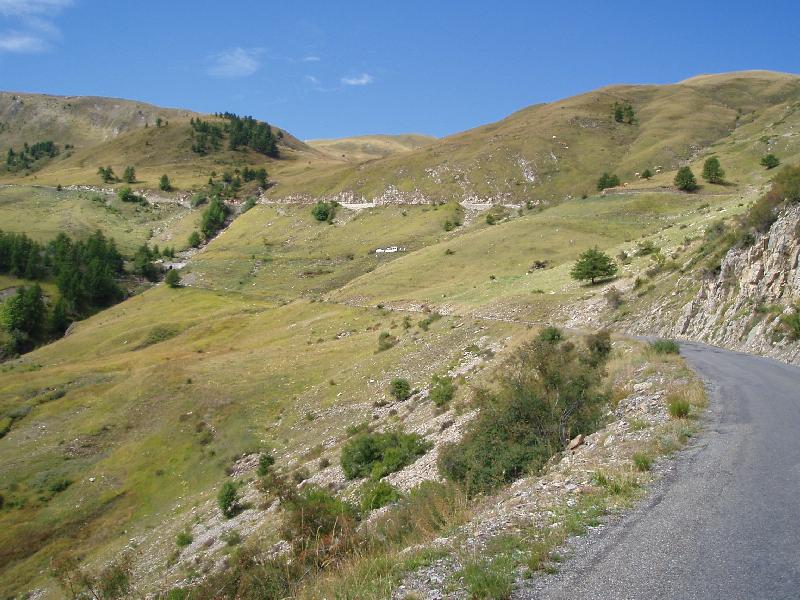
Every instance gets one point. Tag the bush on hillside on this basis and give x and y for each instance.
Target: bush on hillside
(194, 239)
(386, 340)
(173, 278)
(228, 499)
(400, 389)
(548, 392)
(442, 390)
(770, 161)
(323, 211)
(551, 334)
(377, 494)
(164, 184)
(313, 513)
(379, 454)
(665, 347)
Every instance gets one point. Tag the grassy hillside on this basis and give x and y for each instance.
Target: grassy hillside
(118, 436)
(555, 150)
(367, 147)
(119, 133)
(43, 212)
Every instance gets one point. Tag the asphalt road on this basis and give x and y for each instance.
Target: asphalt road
(724, 522)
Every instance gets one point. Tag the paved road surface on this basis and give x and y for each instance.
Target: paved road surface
(724, 523)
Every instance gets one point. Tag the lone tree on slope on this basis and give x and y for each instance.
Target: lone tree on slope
(592, 265)
(712, 170)
(684, 180)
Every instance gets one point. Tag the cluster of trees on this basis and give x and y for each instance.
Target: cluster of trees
(86, 273)
(623, 112)
(250, 133)
(607, 180)
(259, 175)
(206, 136)
(212, 220)
(243, 132)
(24, 158)
(107, 174)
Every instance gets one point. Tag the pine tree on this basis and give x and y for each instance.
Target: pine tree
(130, 175)
(164, 183)
(712, 170)
(684, 180)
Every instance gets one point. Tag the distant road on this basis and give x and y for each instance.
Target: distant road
(724, 523)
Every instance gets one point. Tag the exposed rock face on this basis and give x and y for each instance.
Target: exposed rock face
(741, 308)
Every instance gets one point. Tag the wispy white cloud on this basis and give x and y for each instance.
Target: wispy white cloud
(21, 43)
(363, 79)
(22, 8)
(35, 30)
(310, 59)
(235, 62)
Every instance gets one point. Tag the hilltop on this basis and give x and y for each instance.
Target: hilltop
(367, 147)
(556, 150)
(90, 132)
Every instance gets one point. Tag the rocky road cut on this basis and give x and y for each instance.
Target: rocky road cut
(724, 523)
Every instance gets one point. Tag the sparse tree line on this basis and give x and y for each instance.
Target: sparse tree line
(685, 179)
(24, 158)
(129, 176)
(242, 132)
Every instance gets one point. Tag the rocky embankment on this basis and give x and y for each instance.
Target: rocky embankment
(745, 306)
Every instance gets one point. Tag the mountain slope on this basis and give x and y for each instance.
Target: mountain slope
(109, 131)
(554, 150)
(367, 147)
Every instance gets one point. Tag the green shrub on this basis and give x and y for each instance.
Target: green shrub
(184, 538)
(265, 462)
(378, 454)
(551, 334)
(791, 323)
(232, 538)
(400, 389)
(642, 461)
(442, 390)
(546, 394)
(679, 408)
(665, 347)
(228, 500)
(425, 323)
(194, 239)
(488, 579)
(386, 340)
(323, 211)
(315, 512)
(770, 161)
(59, 485)
(173, 279)
(248, 204)
(377, 494)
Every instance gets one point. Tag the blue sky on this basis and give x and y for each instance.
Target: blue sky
(337, 68)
